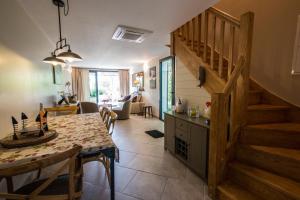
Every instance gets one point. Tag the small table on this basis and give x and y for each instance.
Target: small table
(147, 110)
(70, 109)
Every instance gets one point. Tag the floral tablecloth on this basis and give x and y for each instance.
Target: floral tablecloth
(86, 130)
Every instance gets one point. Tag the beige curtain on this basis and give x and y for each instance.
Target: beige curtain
(80, 83)
(124, 82)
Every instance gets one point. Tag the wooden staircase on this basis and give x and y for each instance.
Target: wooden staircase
(254, 136)
(267, 157)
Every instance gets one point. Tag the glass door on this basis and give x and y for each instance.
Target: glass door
(104, 86)
(167, 85)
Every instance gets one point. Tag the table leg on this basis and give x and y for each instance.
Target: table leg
(145, 112)
(110, 154)
(112, 176)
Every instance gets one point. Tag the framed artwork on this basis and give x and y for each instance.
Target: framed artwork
(138, 80)
(152, 75)
(58, 74)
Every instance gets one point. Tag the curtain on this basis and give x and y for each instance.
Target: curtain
(124, 82)
(80, 83)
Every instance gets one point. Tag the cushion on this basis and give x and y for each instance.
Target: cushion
(134, 99)
(59, 186)
(126, 98)
(139, 98)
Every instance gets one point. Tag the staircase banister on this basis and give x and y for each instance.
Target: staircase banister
(235, 21)
(234, 77)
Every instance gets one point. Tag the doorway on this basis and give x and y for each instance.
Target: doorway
(167, 85)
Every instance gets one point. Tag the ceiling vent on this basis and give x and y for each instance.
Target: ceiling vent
(130, 34)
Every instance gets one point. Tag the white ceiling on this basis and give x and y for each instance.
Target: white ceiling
(91, 23)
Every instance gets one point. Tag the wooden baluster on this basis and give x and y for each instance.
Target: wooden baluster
(245, 45)
(221, 55)
(193, 34)
(231, 50)
(206, 21)
(213, 45)
(172, 41)
(217, 141)
(187, 29)
(199, 34)
(233, 125)
(182, 33)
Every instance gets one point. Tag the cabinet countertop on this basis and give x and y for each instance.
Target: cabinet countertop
(201, 121)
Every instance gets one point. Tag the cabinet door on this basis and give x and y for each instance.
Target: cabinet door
(198, 150)
(170, 133)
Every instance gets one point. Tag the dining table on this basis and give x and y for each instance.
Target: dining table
(86, 130)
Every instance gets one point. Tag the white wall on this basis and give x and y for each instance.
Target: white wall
(25, 80)
(186, 87)
(150, 96)
(273, 43)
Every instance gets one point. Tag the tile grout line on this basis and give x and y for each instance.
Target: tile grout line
(161, 195)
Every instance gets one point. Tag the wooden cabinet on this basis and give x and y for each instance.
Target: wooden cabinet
(169, 127)
(187, 139)
(198, 149)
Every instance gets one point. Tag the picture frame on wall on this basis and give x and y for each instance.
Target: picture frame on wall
(58, 74)
(152, 75)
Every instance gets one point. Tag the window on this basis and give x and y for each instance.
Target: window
(104, 86)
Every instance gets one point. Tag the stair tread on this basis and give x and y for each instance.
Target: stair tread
(281, 184)
(267, 107)
(289, 127)
(293, 154)
(236, 192)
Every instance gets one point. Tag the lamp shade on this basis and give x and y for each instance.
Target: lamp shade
(53, 60)
(69, 56)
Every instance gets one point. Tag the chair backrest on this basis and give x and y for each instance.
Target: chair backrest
(72, 164)
(111, 122)
(105, 115)
(126, 106)
(88, 107)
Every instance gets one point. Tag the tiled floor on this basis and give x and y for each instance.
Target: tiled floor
(145, 171)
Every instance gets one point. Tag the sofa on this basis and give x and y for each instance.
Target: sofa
(123, 110)
(137, 103)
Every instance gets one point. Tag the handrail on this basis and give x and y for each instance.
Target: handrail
(235, 75)
(225, 16)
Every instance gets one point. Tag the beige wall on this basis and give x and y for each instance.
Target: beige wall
(24, 80)
(273, 43)
(150, 96)
(187, 89)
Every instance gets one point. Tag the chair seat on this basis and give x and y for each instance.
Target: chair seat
(90, 154)
(59, 186)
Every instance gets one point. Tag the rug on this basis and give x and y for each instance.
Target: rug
(155, 133)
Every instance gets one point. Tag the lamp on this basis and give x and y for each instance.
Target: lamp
(69, 56)
(53, 60)
(61, 44)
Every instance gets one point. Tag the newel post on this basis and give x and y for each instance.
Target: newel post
(217, 141)
(172, 43)
(244, 49)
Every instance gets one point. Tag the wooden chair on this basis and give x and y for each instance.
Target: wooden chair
(88, 107)
(106, 114)
(58, 187)
(109, 118)
(111, 122)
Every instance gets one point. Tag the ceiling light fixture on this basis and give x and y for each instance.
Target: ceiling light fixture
(62, 44)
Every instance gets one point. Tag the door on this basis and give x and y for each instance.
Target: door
(104, 86)
(167, 85)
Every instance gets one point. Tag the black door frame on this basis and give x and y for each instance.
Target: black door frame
(160, 83)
